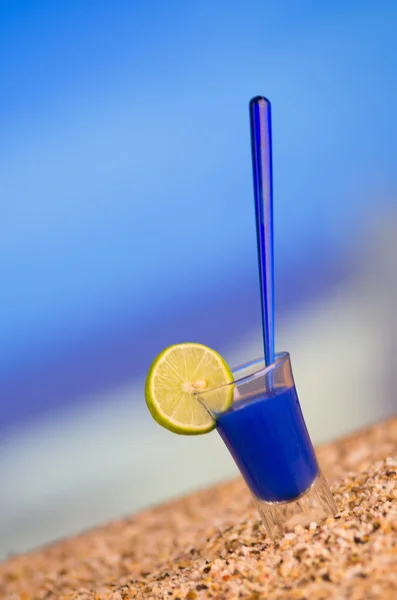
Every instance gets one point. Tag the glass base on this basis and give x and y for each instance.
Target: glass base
(316, 504)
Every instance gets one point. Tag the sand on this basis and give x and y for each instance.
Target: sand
(211, 544)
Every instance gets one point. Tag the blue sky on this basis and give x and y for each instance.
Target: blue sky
(125, 175)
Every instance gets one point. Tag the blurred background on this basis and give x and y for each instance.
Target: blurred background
(127, 224)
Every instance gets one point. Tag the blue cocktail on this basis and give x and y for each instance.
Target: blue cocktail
(269, 442)
(266, 434)
(255, 408)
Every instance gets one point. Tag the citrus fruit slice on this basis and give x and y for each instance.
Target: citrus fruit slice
(174, 379)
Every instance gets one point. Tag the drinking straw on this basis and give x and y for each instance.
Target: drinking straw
(261, 146)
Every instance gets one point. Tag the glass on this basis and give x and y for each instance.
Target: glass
(266, 434)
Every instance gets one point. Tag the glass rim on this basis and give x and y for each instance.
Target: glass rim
(280, 359)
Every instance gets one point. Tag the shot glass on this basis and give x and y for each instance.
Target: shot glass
(266, 434)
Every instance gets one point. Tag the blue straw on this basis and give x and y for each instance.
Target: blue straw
(261, 144)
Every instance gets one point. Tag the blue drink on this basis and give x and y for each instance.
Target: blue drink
(269, 441)
(265, 432)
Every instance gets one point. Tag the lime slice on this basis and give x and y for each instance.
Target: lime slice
(173, 379)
